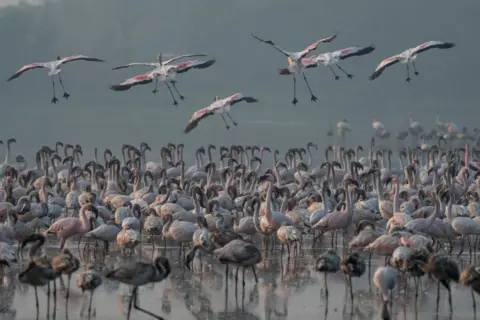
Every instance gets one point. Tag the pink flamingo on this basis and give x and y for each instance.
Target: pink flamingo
(68, 227)
(339, 219)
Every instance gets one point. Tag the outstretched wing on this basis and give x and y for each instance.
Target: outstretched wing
(195, 64)
(197, 116)
(183, 56)
(133, 64)
(314, 45)
(131, 82)
(25, 68)
(80, 57)
(354, 51)
(311, 62)
(270, 42)
(433, 45)
(383, 65)
(238, 97)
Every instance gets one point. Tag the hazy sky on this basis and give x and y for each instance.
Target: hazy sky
(122, 31)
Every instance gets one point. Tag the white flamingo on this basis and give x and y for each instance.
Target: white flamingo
(219, 106)
(295, 65)
(166, 73)
(54, 69)
(409, 56)
(329, 58)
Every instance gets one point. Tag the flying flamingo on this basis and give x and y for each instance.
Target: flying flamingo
(219, 106)
(409, 56)
(329, 58)
(295, 65)
(166, 73)
(54, 67)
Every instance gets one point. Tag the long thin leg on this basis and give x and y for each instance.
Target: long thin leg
(225, 121)
(408, 73)
(295, 101)
(312, 97)
(176, 89)
(474, 304)
(137, 307)
(54, 99)
(334, 74)
(171, 93)
(90, 304)
(415, 68)
(65, 94)
(130, 303)
(349, 76)
(255, 274)
(154, 91)
(233, 121)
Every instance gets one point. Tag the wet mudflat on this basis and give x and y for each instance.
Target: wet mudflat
(286, 290)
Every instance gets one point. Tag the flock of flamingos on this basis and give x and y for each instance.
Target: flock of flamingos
(298, 62)
(412, 213)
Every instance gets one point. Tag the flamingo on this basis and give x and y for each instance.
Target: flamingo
(166, 73)
(328, 262)
(139, 274)
(385, 279)
(409, 56)
(88, 280)
(471, 278)
(219, 106)
(54, 69)
(295, 65)
(329, 58)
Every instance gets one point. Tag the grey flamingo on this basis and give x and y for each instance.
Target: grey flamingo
(139, 274)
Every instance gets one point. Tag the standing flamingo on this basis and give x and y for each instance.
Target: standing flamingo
(139, 274)
(385, 279)
(409, 56)
(54, 69)
(471, 278)
(68, 227)
(295, 65)
(219, 106)
(328, 262)
(89, 280)
(352, 266)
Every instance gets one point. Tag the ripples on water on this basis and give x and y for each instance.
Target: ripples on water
(286, 290)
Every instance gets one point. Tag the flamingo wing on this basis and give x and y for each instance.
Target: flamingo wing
(314, 45)
(238, 97)
(133, 64)
(432, 45)
(25, 68)
(383, 65)
(197, 116)
(355, 51)
(311, 62)
(270, 42)
(195, 64)
(131, 82)
(80, 57)
(184, 56)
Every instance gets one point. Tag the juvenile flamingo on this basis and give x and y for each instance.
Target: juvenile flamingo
(139, 274)
(89, 280)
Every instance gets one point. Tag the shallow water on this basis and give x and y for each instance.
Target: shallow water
(286, 290)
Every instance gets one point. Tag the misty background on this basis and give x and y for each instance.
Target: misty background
(123, 31)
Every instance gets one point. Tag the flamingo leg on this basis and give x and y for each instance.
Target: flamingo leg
(176, 89)
(415, 68)
(254, 274)
(408, 73)
(175, 102)
(349, 76)
(474, 304)
(54, 99)
(295, 101)
(334, 74)
(233, 121)
(137, 307)
(154, 91)
(225, 121)
(65, 94)
(312, 97)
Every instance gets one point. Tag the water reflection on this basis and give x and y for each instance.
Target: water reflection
(286, 290)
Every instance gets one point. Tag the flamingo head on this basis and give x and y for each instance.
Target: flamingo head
(395, 179)
(406, 242)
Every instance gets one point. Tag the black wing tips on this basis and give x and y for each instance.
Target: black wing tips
(264, 41)
(447, 45)
(120, 87)
(375, 75)
(250, 99)
(206, 64)
(190, 126)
